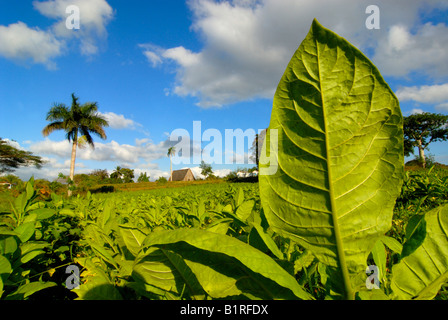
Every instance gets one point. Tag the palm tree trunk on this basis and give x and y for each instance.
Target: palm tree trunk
(171, 169)
(72, 165)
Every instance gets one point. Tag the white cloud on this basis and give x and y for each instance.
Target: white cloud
(402, 52)
(143, 150)
(13, 144)
(20, 42)
(118, 121)
(94, 17)
(153, 58)
(429, 94)
(247, 43)
(442, 106)
(57, 155)
(182, 56)
(417, 111)
(61, 149)
(153, 174)
(218, 173)
(424, 94)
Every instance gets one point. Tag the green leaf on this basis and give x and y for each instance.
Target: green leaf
(28, 289)
(7, 232)
(96, 284)
(29, 251)
(239, 197)
(68, 212)
(266, 240)
(104, 218)
(420, 274)
(226, 266)
(8, 245)
(166, 270)
(332, 161)
(104, 254)
(415, 234)
(392, 244)
(20, 203)
(303, 261)
(379, 256)
(245, 209)
(220, 226)
(133, 239)
(30, 190)
(44, 213)
(105, 291)
(25, 231)
(5, 271)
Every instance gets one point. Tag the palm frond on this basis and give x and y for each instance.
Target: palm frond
(58, 112)
(57, 125)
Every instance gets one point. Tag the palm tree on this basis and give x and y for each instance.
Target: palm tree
(117, 174)
(76, 121)
(171, 152)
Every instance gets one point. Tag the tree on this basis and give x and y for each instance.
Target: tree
(121, 175)
(143, 177)
(76, 121)
(128, 175)
(206, 169)
(12, 158)
(100, 174)
(117, 174)
(171, 152)
(257, 145)
(422, 129)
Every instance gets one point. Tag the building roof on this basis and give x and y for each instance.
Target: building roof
(180, 175)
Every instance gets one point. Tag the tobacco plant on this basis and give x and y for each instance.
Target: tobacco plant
(337, 170)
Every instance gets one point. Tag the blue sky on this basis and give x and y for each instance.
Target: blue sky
(156, 66)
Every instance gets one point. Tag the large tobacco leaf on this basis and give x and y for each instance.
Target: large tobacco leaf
(224, 267)
(420, 274)
(335, 146)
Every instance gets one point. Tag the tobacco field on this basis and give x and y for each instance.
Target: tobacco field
(198, 242)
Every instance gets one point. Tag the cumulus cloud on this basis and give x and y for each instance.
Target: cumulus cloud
(415, 111)
(424, 94)
(57, 155)
(424, 51)
(247, 43)
(94, 17)
(118, 121)
(20, 42)
(143, 150)
(429, 94)
(218, 173)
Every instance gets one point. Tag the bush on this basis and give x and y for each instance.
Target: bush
(162, 180)
(103, 189)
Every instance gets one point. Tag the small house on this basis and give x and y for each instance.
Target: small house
(7, 184)
(182, 175)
